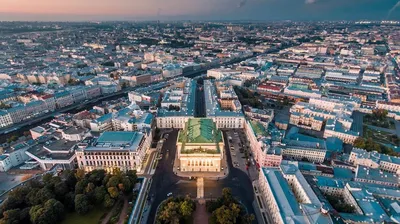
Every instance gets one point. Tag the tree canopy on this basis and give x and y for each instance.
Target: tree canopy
(46, 201)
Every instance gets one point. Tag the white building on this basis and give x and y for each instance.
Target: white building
(289, 198)
(5, 163)
(375, 160)
(123, 150)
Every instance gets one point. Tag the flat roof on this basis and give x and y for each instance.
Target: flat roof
(117, 141)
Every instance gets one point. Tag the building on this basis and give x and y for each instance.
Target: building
(54, 152)
(289, 198)
(218, 73)
(264, 154)
(181, 98)
(114, 149)
(200, 146)
(376, 176)
(222, 115)
(5, 163)
(5, 119)
(312, 152)
(335, 128)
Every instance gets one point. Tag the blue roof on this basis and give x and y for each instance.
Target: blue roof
(289, 208)
(323, 181)
(104, 118)
(343, 173)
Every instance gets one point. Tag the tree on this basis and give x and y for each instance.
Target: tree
(227, 196)
(37, 214)
(99, 194)
(127, 185)
(186, 208)
(80, 174)
(69, 201)
(225, 215)
(54, 210)
(82, 205)
(39, 196)
(60, 189)
(108, 201)
(15, 199)
(11, 216)
(70, 178)
(81, 186)
(113, 182)
(247, 219)
(132, 176)
(89, 188)
(47, 178)
(97, 176)
(359, 143)
(113, 191)
(51, 212)
(170, 213)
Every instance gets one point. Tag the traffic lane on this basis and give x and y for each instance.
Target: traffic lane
(237, 180)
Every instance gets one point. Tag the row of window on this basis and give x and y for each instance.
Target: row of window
(200, 163)
(107, 163)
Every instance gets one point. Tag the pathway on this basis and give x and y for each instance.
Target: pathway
(108, 216)
(124, 212)
(200, 187)
(200, 215)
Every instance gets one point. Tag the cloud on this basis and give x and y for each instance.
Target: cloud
(310, 1)
(392, 9)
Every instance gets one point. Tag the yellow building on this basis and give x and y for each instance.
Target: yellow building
(200, 146)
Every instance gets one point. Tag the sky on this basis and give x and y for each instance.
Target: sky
(270, 10)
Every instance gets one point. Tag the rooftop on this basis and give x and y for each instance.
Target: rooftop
(117, 140)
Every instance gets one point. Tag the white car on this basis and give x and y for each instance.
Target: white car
(169, 194)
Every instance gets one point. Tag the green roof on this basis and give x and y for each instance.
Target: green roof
(200, 130)
(258, 128)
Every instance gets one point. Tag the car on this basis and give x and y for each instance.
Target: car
(169, 194)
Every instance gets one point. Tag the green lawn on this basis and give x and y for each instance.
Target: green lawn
(92, 217)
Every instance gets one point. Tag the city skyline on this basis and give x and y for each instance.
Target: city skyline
(267, 10)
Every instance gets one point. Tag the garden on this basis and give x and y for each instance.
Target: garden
(71, 197)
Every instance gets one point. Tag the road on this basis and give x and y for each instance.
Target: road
(200, 109)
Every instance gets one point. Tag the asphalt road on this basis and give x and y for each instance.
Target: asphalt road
(200, 108)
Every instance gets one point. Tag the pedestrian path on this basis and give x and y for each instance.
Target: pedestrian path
(200, 187)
